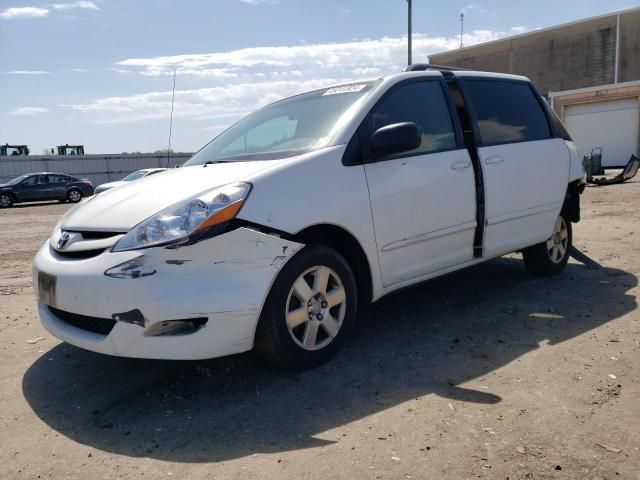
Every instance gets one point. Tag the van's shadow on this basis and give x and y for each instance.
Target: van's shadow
(424, 340)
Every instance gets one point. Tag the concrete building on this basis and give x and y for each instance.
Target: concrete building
(589, 70)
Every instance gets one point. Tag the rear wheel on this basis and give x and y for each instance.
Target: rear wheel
(74, 195)
(5, 200)
(551, 256)
(310, 310)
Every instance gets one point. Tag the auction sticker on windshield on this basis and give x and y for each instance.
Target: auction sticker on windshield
(345, 89)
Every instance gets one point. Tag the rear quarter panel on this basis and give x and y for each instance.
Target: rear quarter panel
(576, 169)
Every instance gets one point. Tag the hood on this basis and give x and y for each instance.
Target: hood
(107, 186)
(120, 209)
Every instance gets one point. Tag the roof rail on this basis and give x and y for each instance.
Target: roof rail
(418, 67)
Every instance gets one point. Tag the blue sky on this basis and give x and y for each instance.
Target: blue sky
(100, 72)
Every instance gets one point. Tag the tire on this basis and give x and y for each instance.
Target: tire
(6, 200)
(74, 195)
(319, 319)
(551, 256)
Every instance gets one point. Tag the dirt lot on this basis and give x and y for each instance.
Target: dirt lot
(486, 373)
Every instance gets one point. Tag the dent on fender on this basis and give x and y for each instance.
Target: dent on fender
(244, 251)
(252, 247)
(240, 247)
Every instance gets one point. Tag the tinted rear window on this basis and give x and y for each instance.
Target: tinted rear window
(507, 112)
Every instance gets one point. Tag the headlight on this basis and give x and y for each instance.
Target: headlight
(200, 216)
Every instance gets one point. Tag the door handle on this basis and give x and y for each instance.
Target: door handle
(460, 165)
(496, 159)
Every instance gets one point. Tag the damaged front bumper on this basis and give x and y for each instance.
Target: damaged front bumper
(193, 302)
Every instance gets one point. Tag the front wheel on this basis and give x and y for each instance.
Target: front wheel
(551, 256)
(5, 200)
(74, 195)
(310, 310)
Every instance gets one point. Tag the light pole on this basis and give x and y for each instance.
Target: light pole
(409, 33)
(461, 27)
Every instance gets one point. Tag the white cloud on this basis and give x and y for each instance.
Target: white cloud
(381, 54)
(39, 12)
(260, 2)
(23, 12)
(28, 111)
(239, 81)
(227, 101)
(120, 70)
(28, 72)
(75, 5)
(519, 30)
(466, 9)
(475, 8)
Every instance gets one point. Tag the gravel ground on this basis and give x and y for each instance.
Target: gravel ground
(485, 373)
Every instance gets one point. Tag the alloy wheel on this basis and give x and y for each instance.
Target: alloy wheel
(5, 201)
(316, 308)
(557, 243)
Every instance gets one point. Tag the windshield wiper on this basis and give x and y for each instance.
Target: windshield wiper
(212, 162)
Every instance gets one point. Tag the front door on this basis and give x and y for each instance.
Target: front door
(28, 191)
(422, 201)
(525, 169)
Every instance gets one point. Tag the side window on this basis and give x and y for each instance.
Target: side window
(507, 112)
(44, 179)
(30, 180)
(422, 103)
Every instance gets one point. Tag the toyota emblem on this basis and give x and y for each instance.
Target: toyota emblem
(64, 238)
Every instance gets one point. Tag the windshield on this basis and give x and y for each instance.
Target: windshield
(289, 127)
(16, 180)
(134, 175)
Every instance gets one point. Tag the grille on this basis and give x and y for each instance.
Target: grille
(89, 235)
(101, 326)
(81, 253)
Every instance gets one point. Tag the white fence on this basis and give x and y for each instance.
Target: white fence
(97, 168)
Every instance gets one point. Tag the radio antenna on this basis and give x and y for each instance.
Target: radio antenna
(173, 96)
(409, 34)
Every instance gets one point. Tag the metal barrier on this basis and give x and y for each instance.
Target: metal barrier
(97, 168)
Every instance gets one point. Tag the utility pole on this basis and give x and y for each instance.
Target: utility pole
(409, 33)
(173, 96)
(461, 28)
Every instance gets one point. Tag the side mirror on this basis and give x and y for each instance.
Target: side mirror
(396, 138)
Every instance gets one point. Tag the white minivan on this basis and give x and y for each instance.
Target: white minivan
(275, 233)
